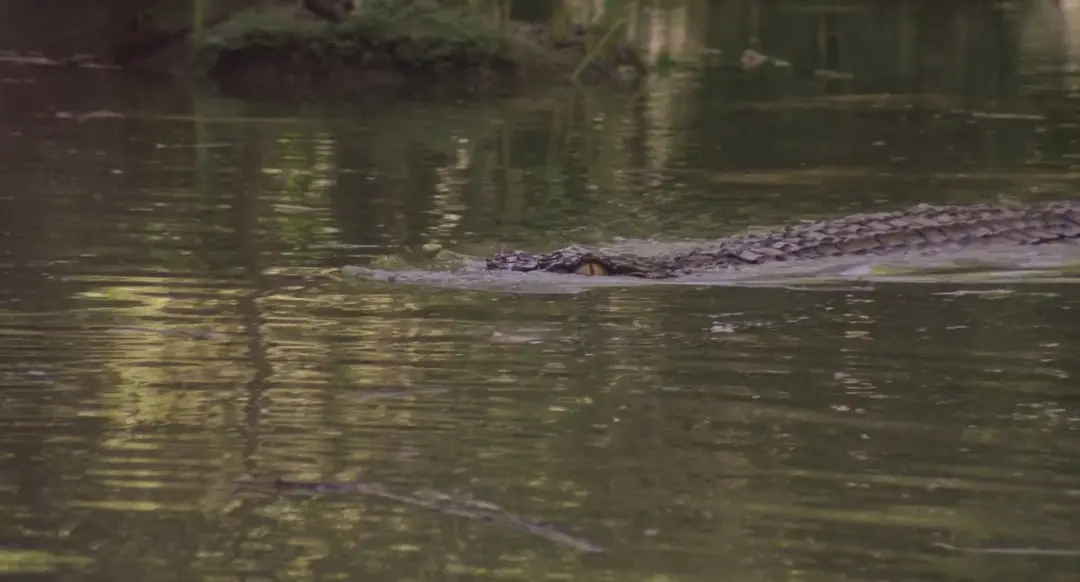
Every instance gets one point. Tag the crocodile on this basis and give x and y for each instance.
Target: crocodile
(924, 228)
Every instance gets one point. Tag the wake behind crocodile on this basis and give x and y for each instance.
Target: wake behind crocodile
(968, 244)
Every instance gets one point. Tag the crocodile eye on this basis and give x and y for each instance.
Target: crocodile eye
(591, 268)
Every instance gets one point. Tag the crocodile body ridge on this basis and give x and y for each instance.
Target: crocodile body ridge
(922, 228)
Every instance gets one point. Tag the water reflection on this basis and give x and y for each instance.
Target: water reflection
(169, 327)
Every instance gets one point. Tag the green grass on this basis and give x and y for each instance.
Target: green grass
(417, 33)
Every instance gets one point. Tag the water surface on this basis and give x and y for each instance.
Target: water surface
(174, 336)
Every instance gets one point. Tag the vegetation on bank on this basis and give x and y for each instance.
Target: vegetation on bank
(404, 40)
(414, 35)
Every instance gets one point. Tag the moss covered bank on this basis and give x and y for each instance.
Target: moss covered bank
(382, 48)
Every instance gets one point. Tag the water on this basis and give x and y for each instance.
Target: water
(174, 337)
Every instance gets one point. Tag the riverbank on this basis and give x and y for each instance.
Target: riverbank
(379, 50)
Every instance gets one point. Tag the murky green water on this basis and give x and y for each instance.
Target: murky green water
(172, 338)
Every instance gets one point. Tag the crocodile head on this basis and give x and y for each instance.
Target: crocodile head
(571, 260)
